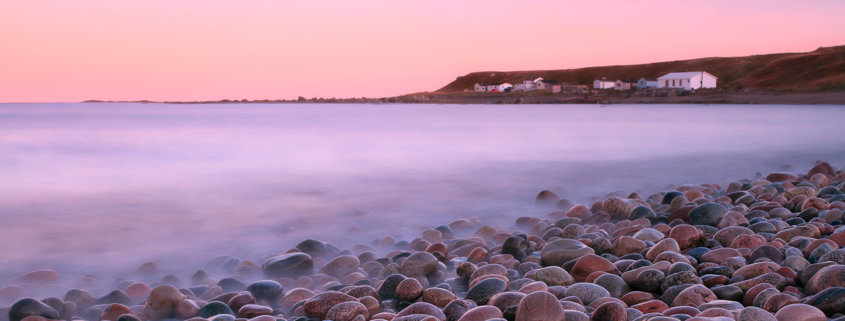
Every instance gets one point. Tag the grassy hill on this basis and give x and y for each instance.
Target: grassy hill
(819, 70)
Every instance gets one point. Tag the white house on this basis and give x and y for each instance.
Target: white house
(479, 88)
(621, 85)
(644, 83)
(500, 88)
(687, 80)
(526, 85)
(548, 85)
(603, 84)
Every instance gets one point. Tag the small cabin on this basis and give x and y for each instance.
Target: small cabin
(603, 83)
(621, 85)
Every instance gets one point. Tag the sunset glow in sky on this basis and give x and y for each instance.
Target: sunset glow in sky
(278, 49)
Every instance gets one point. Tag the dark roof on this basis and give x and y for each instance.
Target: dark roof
(550, 82)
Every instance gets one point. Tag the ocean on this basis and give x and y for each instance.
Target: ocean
(88, 188)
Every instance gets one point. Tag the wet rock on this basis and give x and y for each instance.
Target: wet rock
(590, 263)
(409, 290)
(161, 304)
(423, 308)
(610, 311)
(438, 297)
(694, 296)
(288, 265)
(266, 292)
(830, 300)
(135, 291)
(455, 309)
(45, 276)
(419, 264)
(517, 245)
(557, 252)
(800, 312)
(31, 307)
(649, 235)
(387, 290)
(128, 317)
(481, 313)
(720, 255)
(214, 308)
(777, 301)
(116, 296)
(504, 300)
(547, 197)
(767, 251)
(650, 306)
(648, 281)
(553, 275)
(231, 285)
(222, 317)
(727, 292)
(347, 311)
(240, 299)
(667, 244)
(318, 249)
(755, 314)
(678, 278)
(114, 311)
(707, 214)
(829, 276)
(774, 279)
(614, 284)
(539, 306)
(756, 269)
(781, 176)
(796, 263)
(319, 305)
(587, 292)
(249, 311)
(484, 290)
(642, 212)
(341, 266)
(81, 298)
(625, 245)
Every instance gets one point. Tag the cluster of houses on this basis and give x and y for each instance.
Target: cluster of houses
(532, 85)
(690, 80)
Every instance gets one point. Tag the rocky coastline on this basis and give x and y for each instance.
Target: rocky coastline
(762, 249)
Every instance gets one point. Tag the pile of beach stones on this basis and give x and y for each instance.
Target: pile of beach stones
(763, 249)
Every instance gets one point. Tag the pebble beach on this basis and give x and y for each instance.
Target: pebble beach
(753, 249)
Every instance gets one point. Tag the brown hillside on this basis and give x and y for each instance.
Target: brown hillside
(819, 70)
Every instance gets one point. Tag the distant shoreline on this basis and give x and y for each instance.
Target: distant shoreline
(766, 98)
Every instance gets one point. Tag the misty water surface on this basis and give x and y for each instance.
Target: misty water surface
(104, 187)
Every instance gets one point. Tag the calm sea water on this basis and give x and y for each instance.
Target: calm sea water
(104, 187)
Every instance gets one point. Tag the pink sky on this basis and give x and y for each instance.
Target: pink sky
(268, 49)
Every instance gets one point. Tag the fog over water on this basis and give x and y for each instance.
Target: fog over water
(102, 188)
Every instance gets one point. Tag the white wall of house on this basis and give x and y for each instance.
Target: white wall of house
(687, 80)
(603, 84)
(479, 88)
(529, 85)
(526, 85)
(621, 85)
(503, 87)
